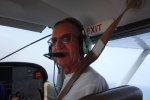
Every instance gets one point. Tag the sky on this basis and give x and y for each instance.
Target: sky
(113, 63)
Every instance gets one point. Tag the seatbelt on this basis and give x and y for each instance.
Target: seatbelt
(94, 53)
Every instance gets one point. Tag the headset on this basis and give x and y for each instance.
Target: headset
(85, 42)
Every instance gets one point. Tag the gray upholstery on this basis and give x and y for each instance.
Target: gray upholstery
(119, 93)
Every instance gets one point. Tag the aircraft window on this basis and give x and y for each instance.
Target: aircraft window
(141, 78)
(12, 39)
(115, 62)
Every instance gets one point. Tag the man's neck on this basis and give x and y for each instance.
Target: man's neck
(73, 68)
(69, 71)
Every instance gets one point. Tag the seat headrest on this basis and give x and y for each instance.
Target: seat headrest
(119, 93)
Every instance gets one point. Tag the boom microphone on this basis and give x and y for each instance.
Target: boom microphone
(52, 55)
(56, 54)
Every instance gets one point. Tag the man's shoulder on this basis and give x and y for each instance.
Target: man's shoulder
(90, 75)
(91, 72)
(91, 79)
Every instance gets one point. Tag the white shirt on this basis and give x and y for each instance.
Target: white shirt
(88, 83)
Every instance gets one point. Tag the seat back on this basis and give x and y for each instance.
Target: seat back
(119, 93)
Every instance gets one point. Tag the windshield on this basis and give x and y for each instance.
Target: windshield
(13, 39)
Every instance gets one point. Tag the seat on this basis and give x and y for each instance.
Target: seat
(119, 93)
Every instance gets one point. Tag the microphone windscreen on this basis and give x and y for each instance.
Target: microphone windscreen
(56, 54)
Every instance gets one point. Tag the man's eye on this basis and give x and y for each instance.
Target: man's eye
(66, 38)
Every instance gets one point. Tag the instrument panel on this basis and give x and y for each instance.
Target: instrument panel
(23, 81)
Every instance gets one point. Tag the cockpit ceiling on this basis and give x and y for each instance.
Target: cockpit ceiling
(35, 15)
(47, 12)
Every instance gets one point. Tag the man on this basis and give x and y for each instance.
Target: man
(67, 38)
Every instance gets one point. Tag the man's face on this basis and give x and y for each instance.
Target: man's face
(71, 48)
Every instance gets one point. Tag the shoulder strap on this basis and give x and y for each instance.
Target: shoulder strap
(93, 54)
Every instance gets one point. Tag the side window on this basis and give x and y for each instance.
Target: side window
(141, 78)
(115, 62)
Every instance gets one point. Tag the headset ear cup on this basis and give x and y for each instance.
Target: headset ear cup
(87, 44)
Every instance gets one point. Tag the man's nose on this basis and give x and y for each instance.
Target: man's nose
(59, 44)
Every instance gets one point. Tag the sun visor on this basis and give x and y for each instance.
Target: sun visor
(98, 28)
(21, 24)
